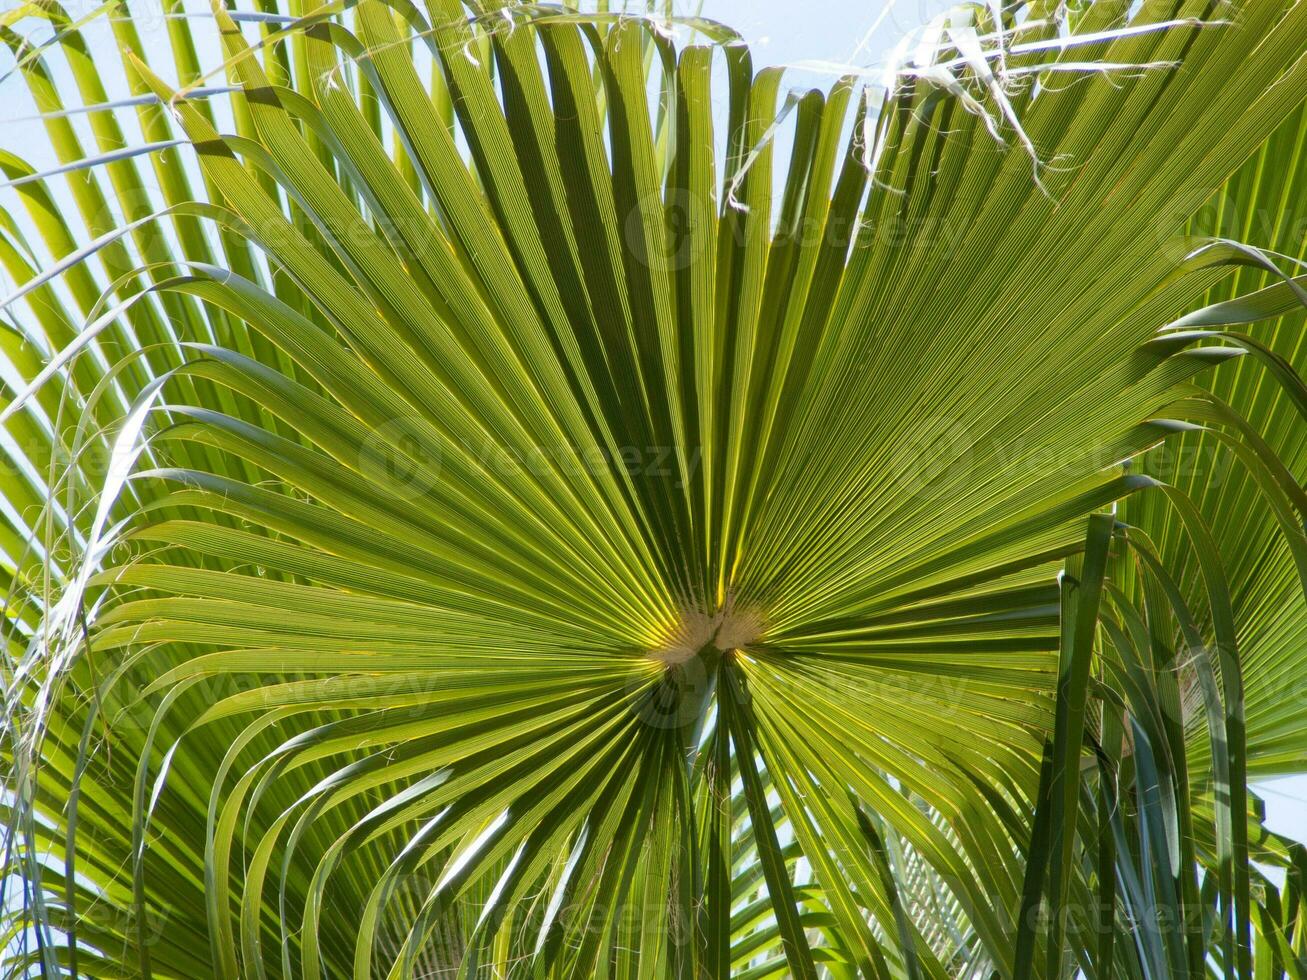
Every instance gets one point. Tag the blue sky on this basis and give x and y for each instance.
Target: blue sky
(783, 32)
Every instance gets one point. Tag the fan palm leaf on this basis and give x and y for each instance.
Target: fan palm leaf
(498, 490)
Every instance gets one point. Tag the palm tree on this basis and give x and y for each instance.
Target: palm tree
(503, 491)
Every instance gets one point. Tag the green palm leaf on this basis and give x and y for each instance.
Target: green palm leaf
(498, 490)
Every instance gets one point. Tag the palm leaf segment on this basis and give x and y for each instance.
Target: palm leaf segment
(496, 514)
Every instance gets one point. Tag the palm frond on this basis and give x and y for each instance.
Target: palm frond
(476, 509)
